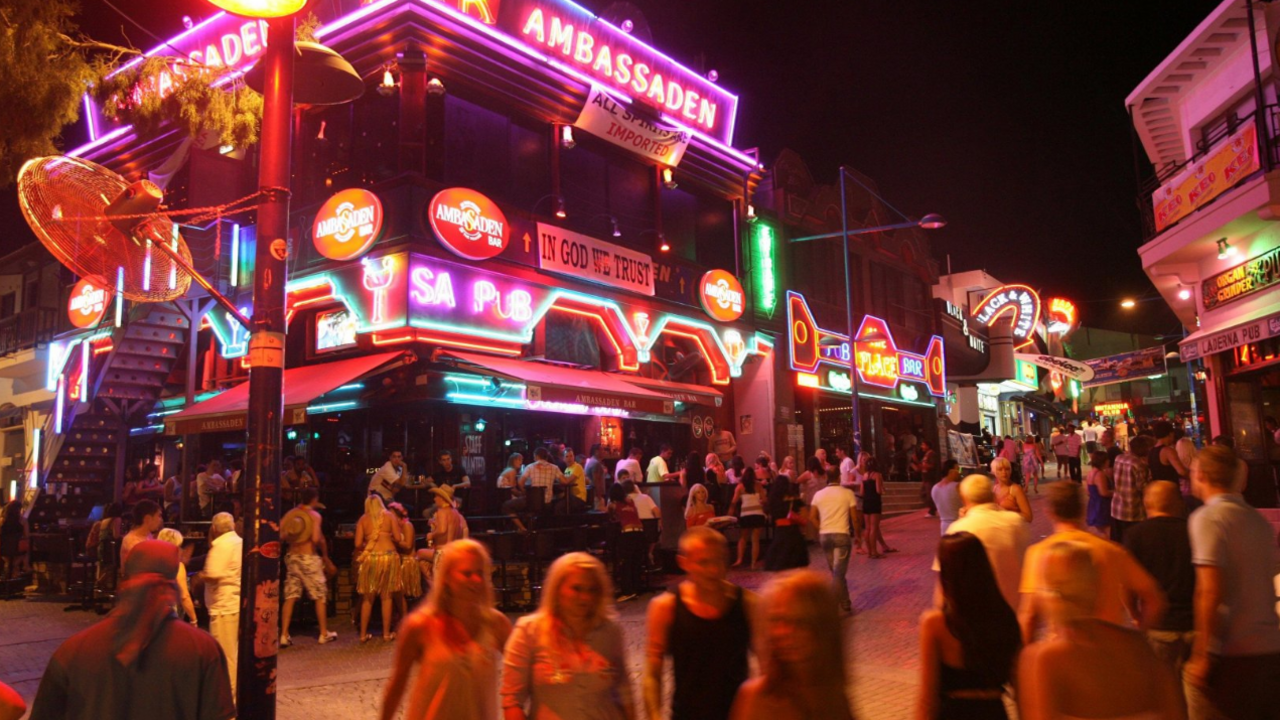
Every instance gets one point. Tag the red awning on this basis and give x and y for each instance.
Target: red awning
(682, 392)
(550, 385)
(228, 410)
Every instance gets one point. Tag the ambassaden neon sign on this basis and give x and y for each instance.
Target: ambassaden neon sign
(880, 362)
(558, 32)
(402, 298)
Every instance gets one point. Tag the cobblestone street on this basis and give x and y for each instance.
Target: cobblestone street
(345, 679)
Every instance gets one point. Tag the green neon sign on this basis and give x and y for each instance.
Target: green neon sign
(764, 243)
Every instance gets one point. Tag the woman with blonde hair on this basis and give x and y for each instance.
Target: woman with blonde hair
(455, 637)
(802, 661)
(697, 511)
(1009, 495)
(568, 659)
(174, 538)
(1087, 667)
(378, 535)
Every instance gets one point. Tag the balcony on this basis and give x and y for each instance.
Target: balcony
(27, 329)
(1219, 167)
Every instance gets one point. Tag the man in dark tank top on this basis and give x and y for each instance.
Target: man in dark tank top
(705, 626)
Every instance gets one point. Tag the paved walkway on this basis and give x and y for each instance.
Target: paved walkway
(345, 679)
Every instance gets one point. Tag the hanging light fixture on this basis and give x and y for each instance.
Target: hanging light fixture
(560, 211)
(435, 86)
(663, 245)
(614, 222)
(389, 83)
(1224, 249)
(669, 178)
(751, 213)
(566, 137)
(1184, 294)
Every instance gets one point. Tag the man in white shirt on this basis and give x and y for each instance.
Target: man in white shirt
(833, 508)
(847, 478)
(221, 577)
(1090, 432)
(390, 477)
(631, 464)
(1074, 441)
(207, 482)
(658, 468)
(1003, 534)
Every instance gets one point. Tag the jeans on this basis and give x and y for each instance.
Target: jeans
(1073, 463)
(1173, 647)
(837, 546)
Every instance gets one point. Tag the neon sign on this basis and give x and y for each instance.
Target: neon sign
(378, 276)
(222, 41)
(879, 361)
(88, 303)
(607, 55)
(1111, 408)
(1062, 316)
(721, 295)
(468, 224)
(347, 224)
(1021, 301)
(766, 286)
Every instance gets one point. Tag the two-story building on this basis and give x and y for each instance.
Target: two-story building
(1207, 121)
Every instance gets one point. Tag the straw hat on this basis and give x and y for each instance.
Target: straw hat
(297, 526)
(444, 491)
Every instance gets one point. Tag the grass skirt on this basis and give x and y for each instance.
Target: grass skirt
(379, 573)
(410, 576)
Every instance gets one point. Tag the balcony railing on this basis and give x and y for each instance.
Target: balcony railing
(27, 329)
(1269, 155)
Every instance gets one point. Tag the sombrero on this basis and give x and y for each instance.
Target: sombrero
(444, 491)
(297, 526)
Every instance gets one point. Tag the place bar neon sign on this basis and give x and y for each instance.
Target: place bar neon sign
(878, 359)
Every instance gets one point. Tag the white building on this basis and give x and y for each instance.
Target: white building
(1212, 240)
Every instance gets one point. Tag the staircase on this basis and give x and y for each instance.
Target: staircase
(82, 461)
(901, 498)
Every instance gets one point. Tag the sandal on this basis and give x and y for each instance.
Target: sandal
(286, 641)
(365, 638)
(328, 637)
(389, 638)
(889, 550)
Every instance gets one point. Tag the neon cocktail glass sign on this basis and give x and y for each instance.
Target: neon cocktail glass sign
(878, 359)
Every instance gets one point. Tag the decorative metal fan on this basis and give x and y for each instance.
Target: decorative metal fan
(98, 224)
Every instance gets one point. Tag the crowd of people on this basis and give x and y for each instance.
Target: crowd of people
(1129, 609)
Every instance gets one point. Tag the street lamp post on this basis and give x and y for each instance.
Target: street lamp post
(932, 221)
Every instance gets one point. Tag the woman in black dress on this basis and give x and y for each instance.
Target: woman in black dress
(787, 550)
(11, 532)
(872, 507)
(969, 648)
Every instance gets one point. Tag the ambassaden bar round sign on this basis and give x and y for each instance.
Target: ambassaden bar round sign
(469, 224)
(721, 295)
(347, 224)
(88, 303)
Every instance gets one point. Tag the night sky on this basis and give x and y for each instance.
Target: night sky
(1007, 118)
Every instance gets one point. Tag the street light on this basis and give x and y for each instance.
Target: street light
(328, 80)
(1128, 303)
(932, 221)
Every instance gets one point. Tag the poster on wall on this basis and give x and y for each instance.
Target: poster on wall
(583, 257)
(961, 448)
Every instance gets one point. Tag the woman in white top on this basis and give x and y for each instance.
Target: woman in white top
(1089, 668)
(454, 638)
(751, 518)
(173, 537)
(568, 660)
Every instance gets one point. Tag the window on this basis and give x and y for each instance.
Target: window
(8, 305)
(498, 156)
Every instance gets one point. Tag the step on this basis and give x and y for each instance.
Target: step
(162, 317)
(142, 363)
(148, 348)
(155, 333)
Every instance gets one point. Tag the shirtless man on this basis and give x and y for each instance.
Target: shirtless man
(705, 626)
(447, 525)
(306, 562)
